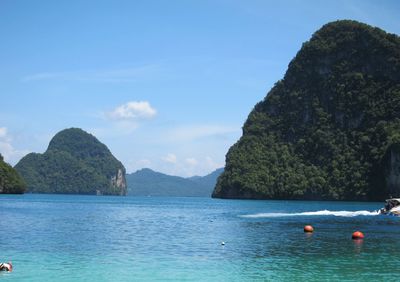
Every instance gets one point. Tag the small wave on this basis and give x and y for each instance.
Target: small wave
(313, 213)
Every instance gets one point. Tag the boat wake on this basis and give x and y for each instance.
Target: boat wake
(314, 213)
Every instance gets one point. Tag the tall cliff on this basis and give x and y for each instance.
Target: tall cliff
(330, 129)
(75, 162)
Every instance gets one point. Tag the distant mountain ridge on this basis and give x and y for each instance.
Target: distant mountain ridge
(75, 162)
(208, 180)
(146, 182)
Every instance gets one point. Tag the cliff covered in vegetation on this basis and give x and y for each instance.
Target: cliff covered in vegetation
(330, 129)
(75, 162)
(10, 181)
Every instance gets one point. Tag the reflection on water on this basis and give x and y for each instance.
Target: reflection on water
(358, 243)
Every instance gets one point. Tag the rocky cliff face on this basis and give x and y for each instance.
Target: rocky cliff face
(323, 131)
(74, 163)
(118, 182)
(392, 170)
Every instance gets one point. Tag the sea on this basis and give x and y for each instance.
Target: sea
(105, 238)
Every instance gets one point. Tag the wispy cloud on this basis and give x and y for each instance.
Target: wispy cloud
(133, 165)
(125, 118)
(170, 158)
(190, 133)
(113, 75)
(190, 166)
(191, 161)
(3, 132)
(10, 154)
(144, 162)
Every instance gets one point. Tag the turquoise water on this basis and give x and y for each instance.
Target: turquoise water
(88, 238)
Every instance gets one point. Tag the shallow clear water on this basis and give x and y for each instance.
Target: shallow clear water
(88, 238)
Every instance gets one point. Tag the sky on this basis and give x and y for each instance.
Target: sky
(166, 85)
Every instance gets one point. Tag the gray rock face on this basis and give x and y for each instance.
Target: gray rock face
(118, 182)
(392, 170)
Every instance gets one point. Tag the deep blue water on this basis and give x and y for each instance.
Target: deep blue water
(89, 238)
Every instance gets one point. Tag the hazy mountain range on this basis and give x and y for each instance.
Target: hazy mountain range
(146, 182)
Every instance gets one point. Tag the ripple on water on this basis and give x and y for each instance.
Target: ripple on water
(83, 238)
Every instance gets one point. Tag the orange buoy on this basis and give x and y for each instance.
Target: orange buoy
(357, 235)
(308, 229)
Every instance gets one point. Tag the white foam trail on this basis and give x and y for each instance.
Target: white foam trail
(323, 212)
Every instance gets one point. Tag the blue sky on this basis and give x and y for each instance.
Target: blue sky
(164, 84)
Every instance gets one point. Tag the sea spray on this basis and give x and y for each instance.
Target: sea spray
(314, 213)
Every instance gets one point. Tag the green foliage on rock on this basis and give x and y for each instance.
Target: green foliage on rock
(74, 163)
(324, 131)
(10, 181)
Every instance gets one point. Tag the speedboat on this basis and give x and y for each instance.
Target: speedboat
(392, 207)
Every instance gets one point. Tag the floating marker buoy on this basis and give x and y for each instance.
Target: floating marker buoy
(308, 229)
(6, 266)
(357, 235)
(223, 243)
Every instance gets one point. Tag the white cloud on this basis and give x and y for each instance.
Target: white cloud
(3, 132)
(133, 165)
(124, 119)
(133, 110)
(6, 149)
(144, 163)
(170, 158)
(132, 74)
(199, 166)
(188, 166)
(211, 164)
(10, 154)
(191, 161)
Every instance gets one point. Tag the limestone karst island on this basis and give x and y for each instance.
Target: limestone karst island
(75, 162)
(330, 129)
(200, 140)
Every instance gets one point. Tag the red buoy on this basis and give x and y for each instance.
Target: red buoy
(357, 235)
(308, 229)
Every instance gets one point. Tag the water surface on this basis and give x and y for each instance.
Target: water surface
(89, 238)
